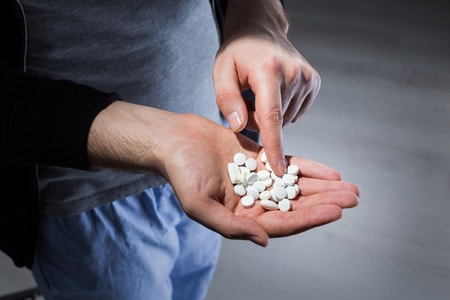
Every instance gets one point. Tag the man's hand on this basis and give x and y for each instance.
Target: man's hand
(197, 169)
(256, 54)
(193, 152)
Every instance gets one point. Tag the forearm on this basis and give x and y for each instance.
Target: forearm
(125, 136)
(262, 18)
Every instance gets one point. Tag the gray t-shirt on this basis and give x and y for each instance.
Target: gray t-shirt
(157, 53)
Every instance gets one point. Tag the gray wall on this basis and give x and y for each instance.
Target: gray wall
(382, 118)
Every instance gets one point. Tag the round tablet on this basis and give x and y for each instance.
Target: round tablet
(251, 178)
(284, 205)
(239, 158)
(291, 192)
(263, 175)
(252, 191)
(293, 169)
(239, 190)
(278, 193)
(247, 201)
(259, 185)
(251, 164)
(289, 179)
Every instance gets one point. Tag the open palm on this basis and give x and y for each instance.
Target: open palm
(196, 166)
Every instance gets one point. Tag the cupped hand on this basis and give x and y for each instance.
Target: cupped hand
(195, 154)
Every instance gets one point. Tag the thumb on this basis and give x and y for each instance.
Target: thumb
(218, 218)
(229, 99)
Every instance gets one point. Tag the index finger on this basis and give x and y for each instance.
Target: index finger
(269, 118)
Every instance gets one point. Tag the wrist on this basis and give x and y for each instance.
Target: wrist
(257, 18)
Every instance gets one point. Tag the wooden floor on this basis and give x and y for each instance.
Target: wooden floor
(382, 118)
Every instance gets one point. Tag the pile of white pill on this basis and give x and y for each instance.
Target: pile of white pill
(274, 192)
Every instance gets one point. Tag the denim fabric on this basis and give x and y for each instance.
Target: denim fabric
(140, 247)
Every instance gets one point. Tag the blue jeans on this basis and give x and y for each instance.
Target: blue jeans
(140, 247)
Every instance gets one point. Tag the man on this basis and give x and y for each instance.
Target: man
(113, 133)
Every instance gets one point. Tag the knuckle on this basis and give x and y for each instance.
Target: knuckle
(272, 64)
(311, 76)
(274, 117)
(293, 74)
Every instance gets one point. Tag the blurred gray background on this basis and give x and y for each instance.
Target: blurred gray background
(382, 118)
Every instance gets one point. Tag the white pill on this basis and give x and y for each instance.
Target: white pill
(268, 167)
(263, 175)
(259, 185)
(268, 182)
(284, 205)
(252, 191)
(263, 157)
(247, 201)
(251, 164)
(278, 193)
(291, 192)
(251, 178)
(234, 173)
(239, 189)
(239, 158)
(289, 179)
(269, 205)
(297, 188)
(293, 169)
(265, 195)
(280, 182)
(273, 175)
(244, 173)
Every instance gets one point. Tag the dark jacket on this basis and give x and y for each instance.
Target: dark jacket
(42, 122)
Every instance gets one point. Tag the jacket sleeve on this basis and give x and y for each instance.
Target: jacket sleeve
(45, 121)
(42, 121)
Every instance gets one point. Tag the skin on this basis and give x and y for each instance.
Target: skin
(194, 160)
(257, 54)
(192, 152)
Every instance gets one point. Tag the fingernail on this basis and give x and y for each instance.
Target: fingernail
(234, 121)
